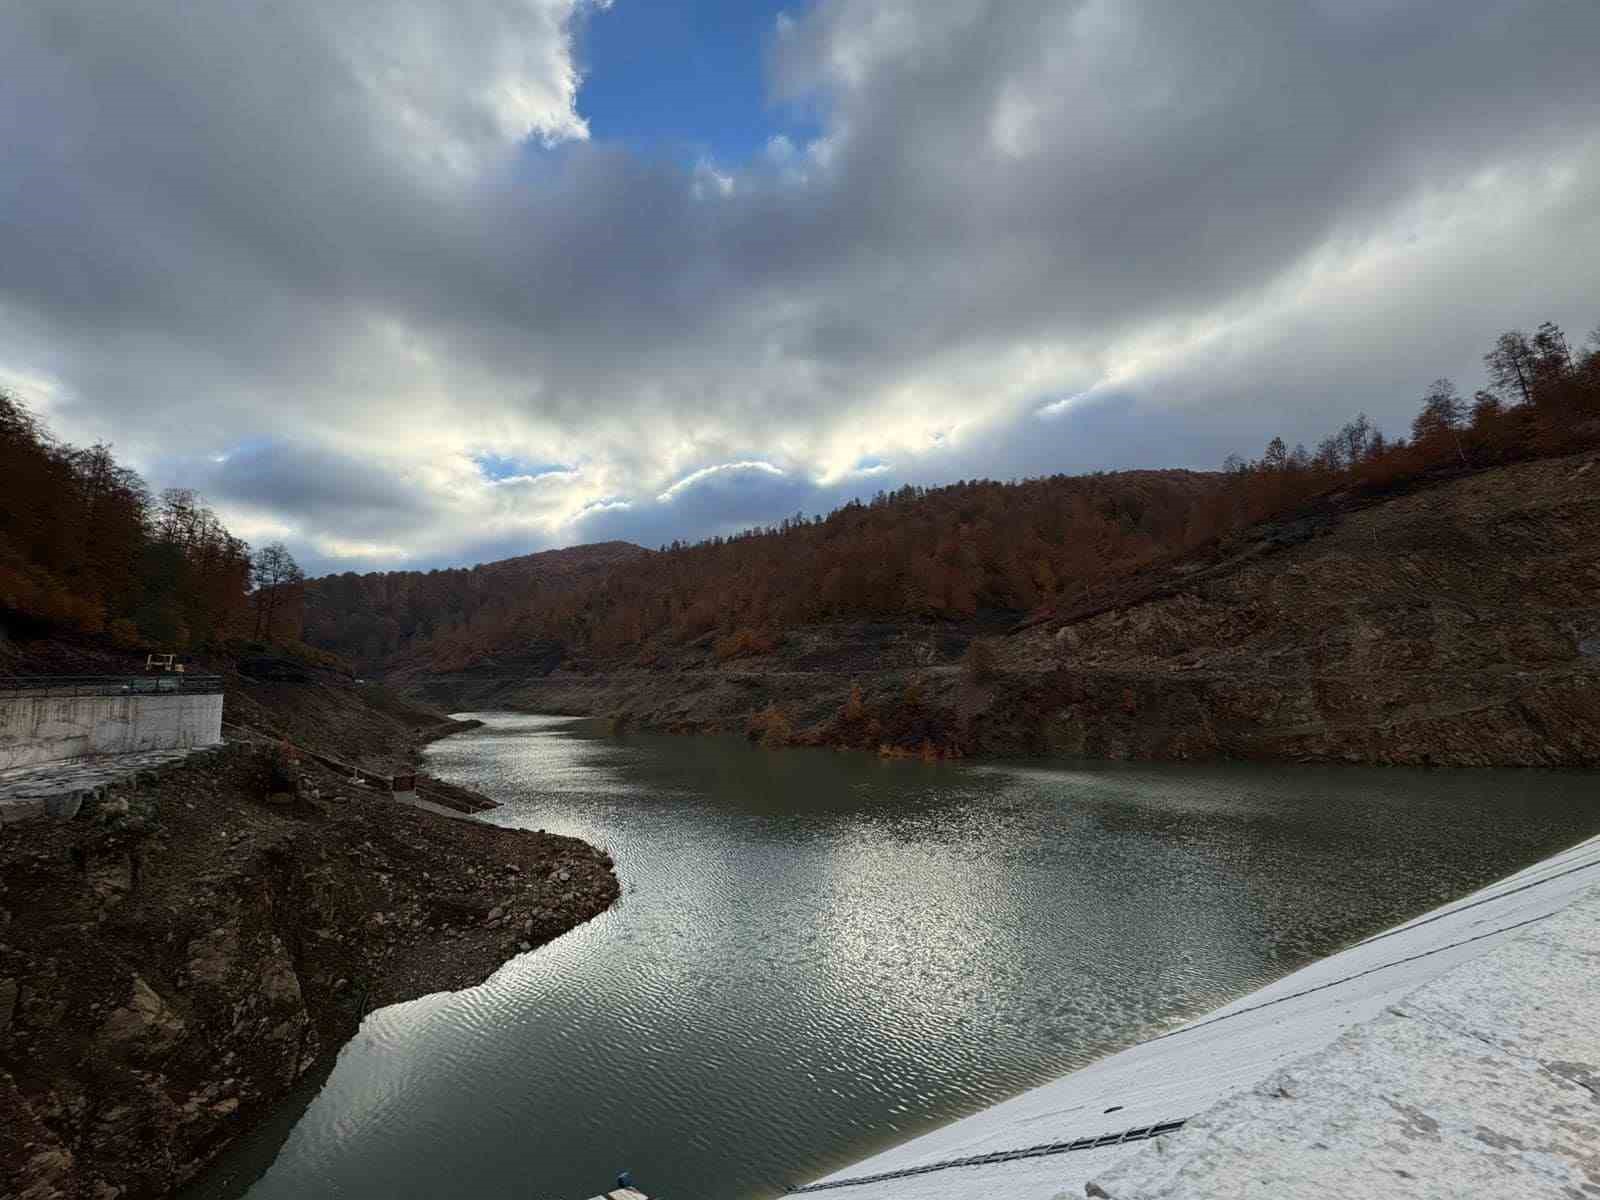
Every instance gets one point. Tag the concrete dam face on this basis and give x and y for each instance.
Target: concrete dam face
(36, 729)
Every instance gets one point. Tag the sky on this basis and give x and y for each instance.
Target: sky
(416, 283)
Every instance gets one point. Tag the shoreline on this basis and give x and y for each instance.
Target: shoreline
(1247, 1073)
(597, 698)
(175, 962)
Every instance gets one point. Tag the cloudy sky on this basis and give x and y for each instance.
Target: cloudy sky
(418, 282)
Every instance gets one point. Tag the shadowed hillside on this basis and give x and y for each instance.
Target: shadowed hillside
(374, 617)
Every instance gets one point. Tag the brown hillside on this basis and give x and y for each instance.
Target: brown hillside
(1459, 624)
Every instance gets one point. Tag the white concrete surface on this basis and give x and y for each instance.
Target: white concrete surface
(438, 810)
(45, 729)
(1187, 1071)
(60, 789)
(1483, 1083)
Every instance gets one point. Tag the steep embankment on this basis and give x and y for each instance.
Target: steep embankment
(1459, 625)
(177, 956)
(1456, 624)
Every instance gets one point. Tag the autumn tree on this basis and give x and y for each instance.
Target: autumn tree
(83, 546)
(1439, 423)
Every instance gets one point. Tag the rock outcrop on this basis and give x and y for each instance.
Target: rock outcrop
(173, 961)
(1444, 627)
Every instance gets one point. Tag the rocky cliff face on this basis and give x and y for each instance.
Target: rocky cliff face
(1458, 625)
(172, 963)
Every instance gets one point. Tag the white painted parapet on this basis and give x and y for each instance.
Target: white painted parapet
(36, 729)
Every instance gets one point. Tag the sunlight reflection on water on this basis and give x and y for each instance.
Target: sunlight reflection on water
(817, 954)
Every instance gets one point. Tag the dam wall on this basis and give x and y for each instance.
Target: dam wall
(1455, 1054)
(38, 727)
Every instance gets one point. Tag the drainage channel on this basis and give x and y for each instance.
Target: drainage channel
(1138, 1133)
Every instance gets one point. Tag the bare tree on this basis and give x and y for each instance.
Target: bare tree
(275, 575)
(1355, 439)
(1330, 454)
(1441, 417)
(1511, 365)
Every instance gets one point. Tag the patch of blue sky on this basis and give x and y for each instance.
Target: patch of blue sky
(496, 467)
(687, 78)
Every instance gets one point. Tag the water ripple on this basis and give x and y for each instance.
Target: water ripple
(819, 954)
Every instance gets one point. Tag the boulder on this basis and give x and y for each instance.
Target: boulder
(143, 1028)
(213, 957)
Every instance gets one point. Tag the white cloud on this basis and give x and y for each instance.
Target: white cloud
(1171, 228)
(704, 473)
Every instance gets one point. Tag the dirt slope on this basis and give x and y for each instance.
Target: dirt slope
(1457, 625)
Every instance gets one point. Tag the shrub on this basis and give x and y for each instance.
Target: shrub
(770, 727)
(283, 762)
(855, 707)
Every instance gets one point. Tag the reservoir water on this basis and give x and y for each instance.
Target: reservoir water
(820, 954)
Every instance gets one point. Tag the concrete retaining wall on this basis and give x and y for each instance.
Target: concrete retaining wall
(45, 729)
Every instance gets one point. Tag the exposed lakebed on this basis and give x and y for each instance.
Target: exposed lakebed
(818, 954)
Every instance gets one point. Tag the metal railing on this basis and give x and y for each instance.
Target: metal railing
(166, 683)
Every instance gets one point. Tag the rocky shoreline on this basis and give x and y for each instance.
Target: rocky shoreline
(172, 962)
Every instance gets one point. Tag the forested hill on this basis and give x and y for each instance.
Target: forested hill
(371, 618)
(948, 553)
(87, 551)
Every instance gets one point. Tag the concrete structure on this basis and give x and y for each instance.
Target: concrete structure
(61, 789)
(1457, 1054)
(1485, 1082)
(37, 727)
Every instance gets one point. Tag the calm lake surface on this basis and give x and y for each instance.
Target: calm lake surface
(820, 954)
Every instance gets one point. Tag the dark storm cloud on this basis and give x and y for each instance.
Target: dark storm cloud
(326, 226)
(314, 486)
